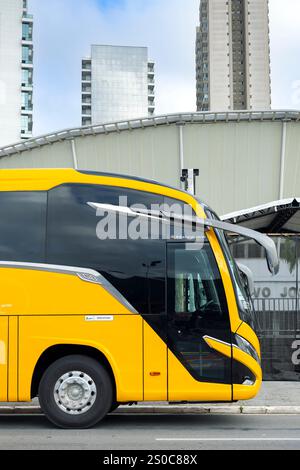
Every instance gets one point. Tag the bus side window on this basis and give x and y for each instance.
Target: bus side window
(196, 281)
(135, 267)
(23, 226)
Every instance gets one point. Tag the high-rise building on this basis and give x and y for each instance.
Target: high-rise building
(118, 83)
(16, 71)
(233, 55)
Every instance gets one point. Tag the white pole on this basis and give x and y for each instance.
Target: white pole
(74, 155)
(282, 160)
(181, 147)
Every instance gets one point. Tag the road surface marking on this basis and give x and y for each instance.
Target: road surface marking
(231, 439)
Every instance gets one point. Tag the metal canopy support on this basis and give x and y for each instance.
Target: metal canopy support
(181, 147)
(282, 218)
(282, 160)
(285, 208)
(74, 154)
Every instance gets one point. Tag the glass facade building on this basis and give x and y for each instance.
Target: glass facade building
(118, 83)
(16, 72)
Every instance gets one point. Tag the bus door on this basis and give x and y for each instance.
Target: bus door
(196, 311)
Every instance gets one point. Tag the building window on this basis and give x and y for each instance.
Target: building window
(27, 77)
(86, 88)
(86, 76)
(26, 101)
(27, 55)
(27, 31)
(86, 121)
(26, 124)
(86, 110)
(86, 65)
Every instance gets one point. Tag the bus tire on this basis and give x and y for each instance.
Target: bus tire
(75, 392)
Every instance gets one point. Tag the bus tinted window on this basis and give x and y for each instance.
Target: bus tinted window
(22, 226)
(135, 267)
(195, 285)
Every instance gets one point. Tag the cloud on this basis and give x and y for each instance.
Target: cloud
(65, 29)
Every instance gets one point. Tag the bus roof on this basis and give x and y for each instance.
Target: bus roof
(51, 173)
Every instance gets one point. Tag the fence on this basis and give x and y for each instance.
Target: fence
(278, 324)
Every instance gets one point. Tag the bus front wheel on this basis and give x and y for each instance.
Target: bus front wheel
(75, 392)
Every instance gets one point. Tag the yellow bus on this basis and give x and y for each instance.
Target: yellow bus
(95, 312)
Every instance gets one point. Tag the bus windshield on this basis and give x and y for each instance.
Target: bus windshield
(245, 303)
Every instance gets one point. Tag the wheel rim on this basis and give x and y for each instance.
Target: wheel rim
(75, 393)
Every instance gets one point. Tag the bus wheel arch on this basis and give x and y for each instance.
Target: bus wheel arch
(59, 351)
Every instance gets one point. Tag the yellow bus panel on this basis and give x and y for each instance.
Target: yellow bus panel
(13, 349)
(155, 366)
(183, 387)
(119, 340)
(3, 356)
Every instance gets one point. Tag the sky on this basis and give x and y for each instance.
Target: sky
(65, 29)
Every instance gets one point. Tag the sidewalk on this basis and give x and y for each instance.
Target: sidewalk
(277, 394)
(274, 398)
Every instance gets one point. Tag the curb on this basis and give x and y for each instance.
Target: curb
(211, 410)
(173, 410)
(20, 410)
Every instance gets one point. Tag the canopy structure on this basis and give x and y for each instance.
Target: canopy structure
(242, 158)
(276, 217)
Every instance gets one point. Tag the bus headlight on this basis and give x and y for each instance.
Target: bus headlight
(246, 347)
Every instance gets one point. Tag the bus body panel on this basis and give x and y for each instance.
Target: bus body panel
(57, 309)
(183, 387)
(3, 356)
(155, 366)
(39, 333)
(235, 320)
(32, 292)
(247, 392)
(244, 392)
(247, 332)
(13, 359)
(44, 180)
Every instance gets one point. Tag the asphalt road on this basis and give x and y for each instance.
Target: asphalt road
(132, 432)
